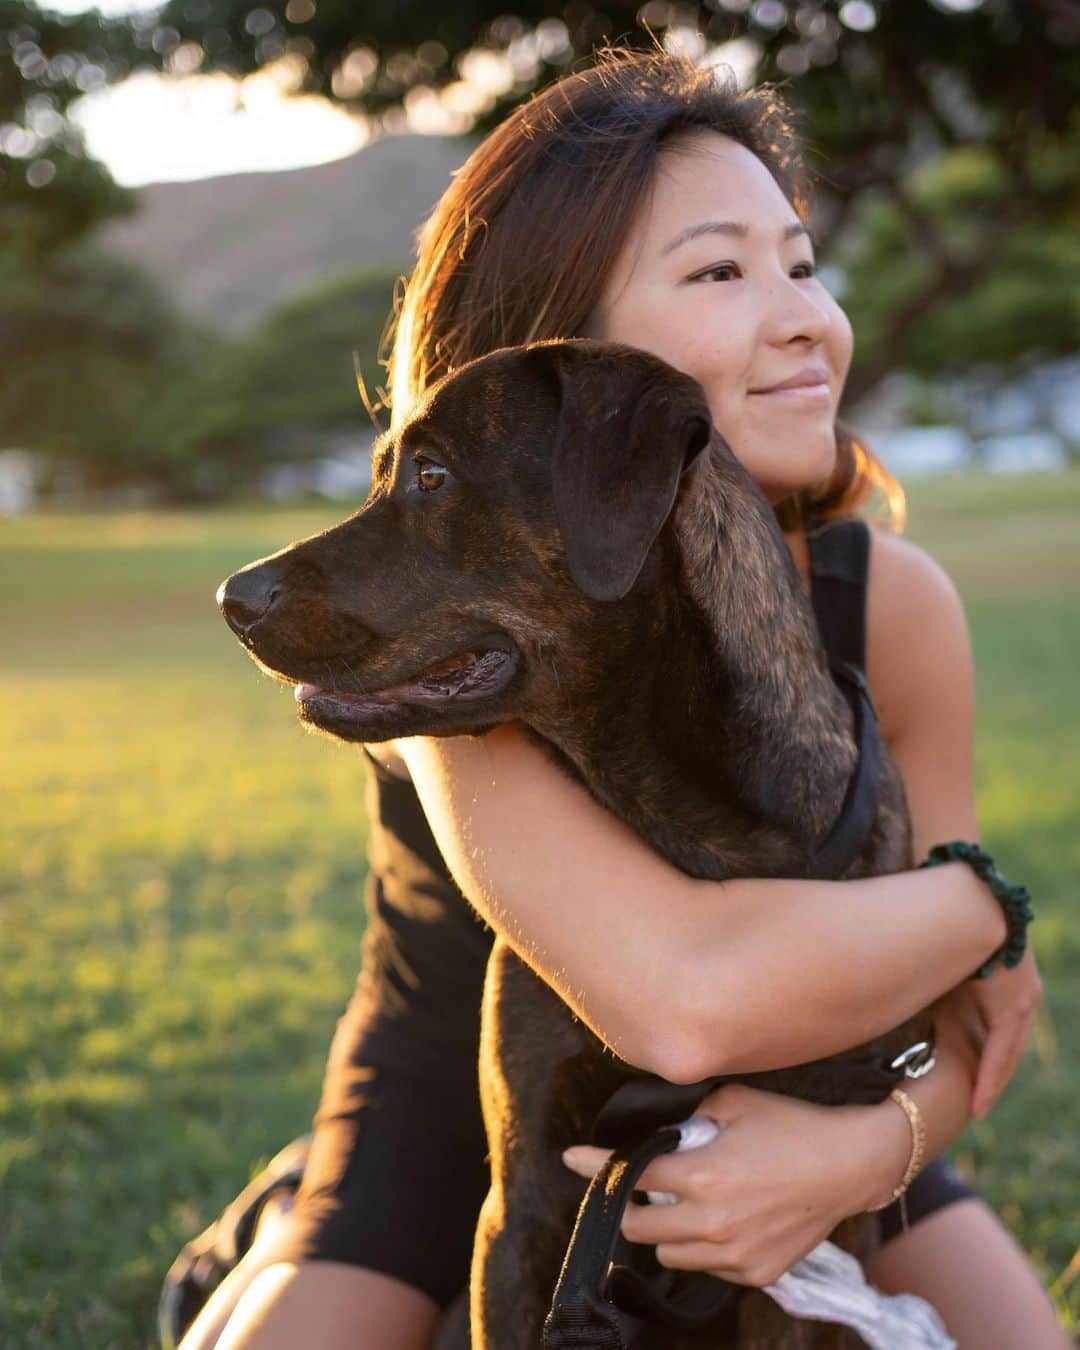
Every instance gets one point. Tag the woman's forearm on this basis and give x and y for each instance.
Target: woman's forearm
(682, 977)
(819, 966)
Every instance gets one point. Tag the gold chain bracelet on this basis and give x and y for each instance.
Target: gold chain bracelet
(918, 1152)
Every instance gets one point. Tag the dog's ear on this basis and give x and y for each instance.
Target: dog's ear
(626, 434)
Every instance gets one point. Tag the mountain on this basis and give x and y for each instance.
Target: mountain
(228, 249)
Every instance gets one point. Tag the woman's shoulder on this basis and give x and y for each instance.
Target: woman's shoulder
(916, 628)
(901, 560)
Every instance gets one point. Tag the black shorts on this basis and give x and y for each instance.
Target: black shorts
(398, 1167)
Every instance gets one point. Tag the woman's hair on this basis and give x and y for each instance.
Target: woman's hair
(518, 247)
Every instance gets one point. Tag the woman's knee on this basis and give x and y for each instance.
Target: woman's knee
(205, 1330)
(964, 1261)
(328, 1305)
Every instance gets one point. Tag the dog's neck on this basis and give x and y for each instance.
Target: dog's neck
(740, 708)
(781, 703)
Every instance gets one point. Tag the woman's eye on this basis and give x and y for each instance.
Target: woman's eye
(429, 475)
(728, 268)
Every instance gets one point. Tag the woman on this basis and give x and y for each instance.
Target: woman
(644, 201)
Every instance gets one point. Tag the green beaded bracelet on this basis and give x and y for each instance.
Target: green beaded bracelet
(1014, 900)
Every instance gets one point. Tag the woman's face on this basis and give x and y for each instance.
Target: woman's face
(737, 306)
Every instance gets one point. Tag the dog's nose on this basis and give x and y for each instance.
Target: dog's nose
(246, 597)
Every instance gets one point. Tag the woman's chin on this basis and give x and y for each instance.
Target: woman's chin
(783, 482)
(782, 461)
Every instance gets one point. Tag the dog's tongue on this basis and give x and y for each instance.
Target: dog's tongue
(442, 679)
(448, 663)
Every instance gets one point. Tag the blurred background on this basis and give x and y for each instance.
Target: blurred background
(206, 209)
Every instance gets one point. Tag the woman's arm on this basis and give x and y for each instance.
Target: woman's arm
(683, 977)
(690, 978)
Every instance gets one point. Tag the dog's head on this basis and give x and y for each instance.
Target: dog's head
(511, 516)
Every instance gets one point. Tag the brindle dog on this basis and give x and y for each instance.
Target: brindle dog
(559, 536)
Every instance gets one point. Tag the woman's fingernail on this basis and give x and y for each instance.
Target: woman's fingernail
(570, 1157)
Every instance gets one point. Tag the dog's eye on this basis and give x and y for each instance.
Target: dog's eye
(429, 475)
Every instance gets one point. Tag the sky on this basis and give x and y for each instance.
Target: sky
(154, 128)
(80, 6)
(150, 129)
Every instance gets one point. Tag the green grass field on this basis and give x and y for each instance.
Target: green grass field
(181, 877)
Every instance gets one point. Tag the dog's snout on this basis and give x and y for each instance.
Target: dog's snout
(247, 596)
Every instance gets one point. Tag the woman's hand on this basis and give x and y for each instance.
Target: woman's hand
(1007, 1001)
(780, 1177)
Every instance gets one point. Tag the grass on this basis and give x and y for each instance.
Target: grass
(181, 875)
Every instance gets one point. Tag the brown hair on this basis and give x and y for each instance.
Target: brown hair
(519, 245)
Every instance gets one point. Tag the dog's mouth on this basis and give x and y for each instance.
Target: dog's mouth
(464, 677)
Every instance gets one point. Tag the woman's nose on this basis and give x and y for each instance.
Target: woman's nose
(796, 313)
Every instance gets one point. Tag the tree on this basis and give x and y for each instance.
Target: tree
(955, 260)
(902, 300)
(51, 191)
(881, 87)
(279, 391)
(87, 344)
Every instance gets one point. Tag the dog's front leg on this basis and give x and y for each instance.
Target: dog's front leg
(516, 1265)
(501, 1295)
(495, 1320)
(530, 1048)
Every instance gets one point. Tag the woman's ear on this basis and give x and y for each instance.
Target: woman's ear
(626, 433)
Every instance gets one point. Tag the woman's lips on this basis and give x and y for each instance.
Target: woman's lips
(802, 392)
(798, 390)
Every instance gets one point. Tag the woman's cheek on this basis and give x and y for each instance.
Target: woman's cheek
(842, 340)
(729, 416)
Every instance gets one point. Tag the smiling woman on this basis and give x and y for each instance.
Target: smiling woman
(646, 202)
(763, 337)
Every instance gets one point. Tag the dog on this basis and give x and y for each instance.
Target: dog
(558, 535)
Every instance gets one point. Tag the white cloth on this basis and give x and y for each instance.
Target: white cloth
(828, 1285)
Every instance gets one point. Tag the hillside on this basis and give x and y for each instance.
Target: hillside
(230, 248)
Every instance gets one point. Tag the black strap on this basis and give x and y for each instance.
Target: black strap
(844, 842)
(582, 1315)
(839, 576)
